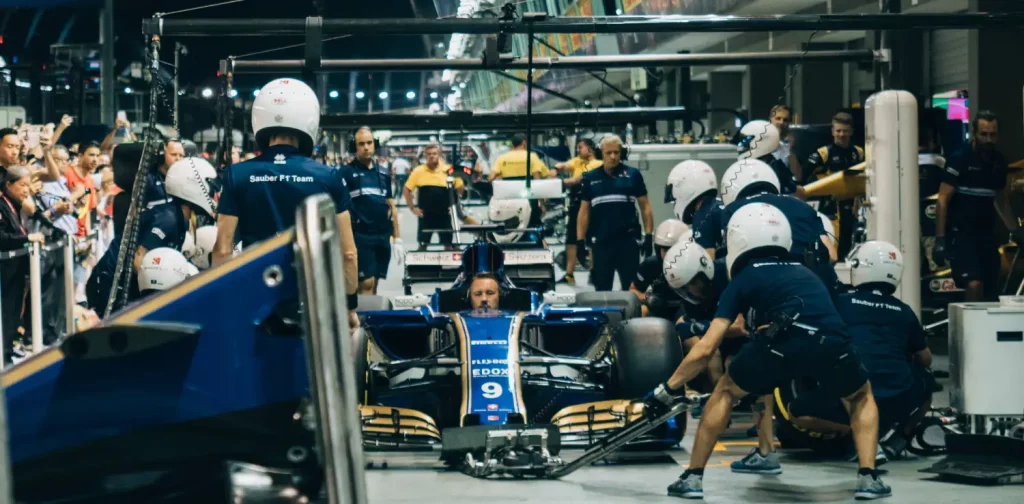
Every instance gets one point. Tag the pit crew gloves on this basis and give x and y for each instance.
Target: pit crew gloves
(939, 251)
(581, 250)
(661, 399)
(647, 248)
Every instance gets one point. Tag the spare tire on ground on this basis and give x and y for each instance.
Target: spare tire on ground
(627, 301)
(645, 351)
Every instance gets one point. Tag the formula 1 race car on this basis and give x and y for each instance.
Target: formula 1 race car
(444, 366)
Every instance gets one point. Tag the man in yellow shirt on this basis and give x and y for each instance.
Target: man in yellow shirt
(430, 181)
(512, 164)
(577, 166)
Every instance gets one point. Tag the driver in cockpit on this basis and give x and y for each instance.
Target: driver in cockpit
(484, 292)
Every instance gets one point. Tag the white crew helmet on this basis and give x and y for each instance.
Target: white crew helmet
(756, 227)
(746, 173)
(199, 255)
(829, 228)
(286, 103)
(513, 213)
(194, 180)
(690, 180)
(669, 232)
(163, 268)
(758, 138)
(875, 262)
(684, 262)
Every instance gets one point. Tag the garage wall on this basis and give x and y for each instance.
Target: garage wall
(949, 57)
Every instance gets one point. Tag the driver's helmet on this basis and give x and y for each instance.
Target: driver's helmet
(513, 213)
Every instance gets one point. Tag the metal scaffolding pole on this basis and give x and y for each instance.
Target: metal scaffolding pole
(595, 24)
(561, 62)
(583, 118)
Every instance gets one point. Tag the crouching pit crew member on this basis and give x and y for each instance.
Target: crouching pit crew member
(609, 197)
(800, 333)
(191, 186)
(760, 140)
(374, 217)
(657, 299)
(891, 344)
(433, 198)
(261, 195)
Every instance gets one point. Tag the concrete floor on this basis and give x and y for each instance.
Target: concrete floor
(418, 477)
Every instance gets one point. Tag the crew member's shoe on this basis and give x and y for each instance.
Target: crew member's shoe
(871, 487)
(755, 463)
(568, 279)
(880, 456)
(688, 486)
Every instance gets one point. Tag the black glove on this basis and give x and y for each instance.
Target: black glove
(661, 399)
(581, 251)
(647, 248)
(655, 302)
(939, 251)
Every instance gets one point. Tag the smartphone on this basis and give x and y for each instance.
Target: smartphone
(122, 116)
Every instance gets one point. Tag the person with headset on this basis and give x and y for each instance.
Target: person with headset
(649, 286)
(800, 333)
(610, 197)
(171, 152)
(891, 344)
(261, 196)
(584, 162)
(752, 181)
(374, 216)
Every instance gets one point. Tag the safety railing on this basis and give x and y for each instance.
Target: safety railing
(328, 351)
(35, 252)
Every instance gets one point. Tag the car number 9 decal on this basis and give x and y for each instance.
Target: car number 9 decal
(491, 390)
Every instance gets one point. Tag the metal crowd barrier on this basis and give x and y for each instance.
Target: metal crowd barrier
(35, 252)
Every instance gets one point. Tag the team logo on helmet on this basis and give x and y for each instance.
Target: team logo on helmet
(892, 255)
(279, 118)
(156, 261)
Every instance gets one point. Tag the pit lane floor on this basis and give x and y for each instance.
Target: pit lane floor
(418, 477)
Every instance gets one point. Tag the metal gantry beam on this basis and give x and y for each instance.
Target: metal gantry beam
(561, 62)
(505, 121)
(595, 24)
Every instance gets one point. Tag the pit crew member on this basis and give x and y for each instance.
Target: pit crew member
(840, 155)
(374, 216)
(891, 344)
(800, 333)
(971, 192)
(430, 181)
(752, 181)
(657, 299)
(695, 191)
(512, 166)
(577, 166)
(514, 214)
(261, 195)
(610, 196)
(156, 194)
(162, 269)
(760, 140)
(191, 185)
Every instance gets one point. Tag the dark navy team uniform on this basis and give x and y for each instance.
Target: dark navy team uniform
(370, 190)
(816, 345)
(265, 192)
(156, 193)
(161, 226)
(885, 333)
(806, 229)
(662, 302)
(614, 228)
(707, 224)
(787, 183)
(971, 217)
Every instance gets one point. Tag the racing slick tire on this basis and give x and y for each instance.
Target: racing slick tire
(373, 303)
(645, 352)
(792, 437)
(627, 301)
(457, 441)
